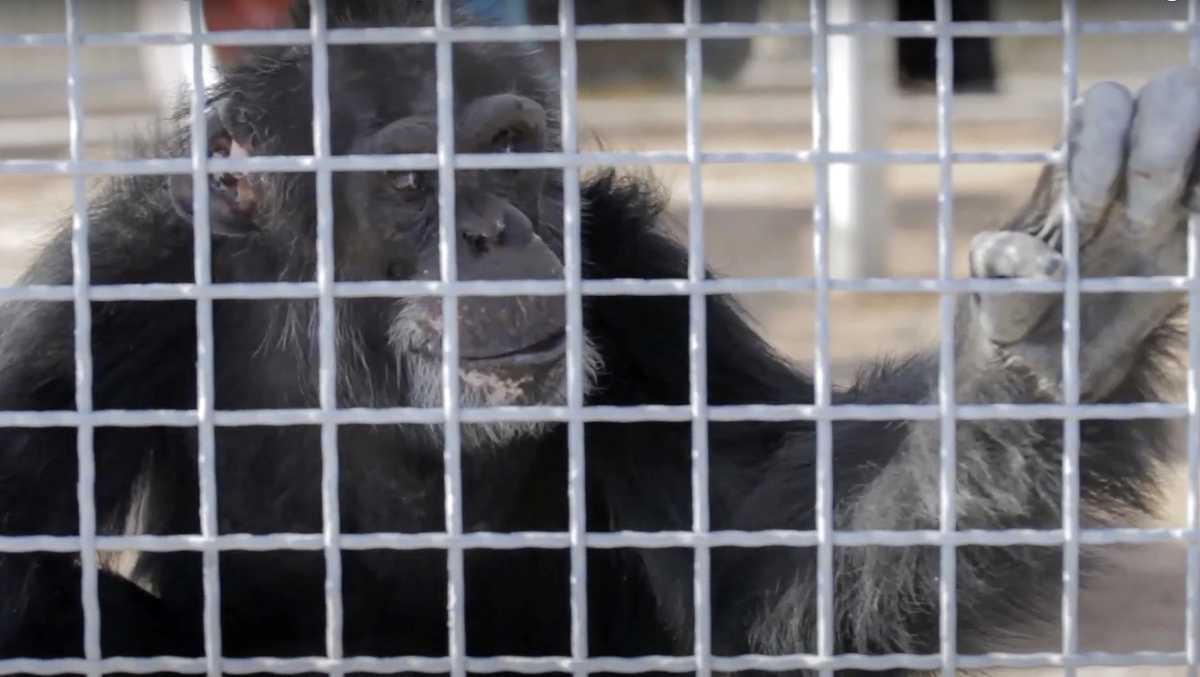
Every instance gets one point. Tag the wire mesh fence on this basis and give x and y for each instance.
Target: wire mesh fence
(571, 160)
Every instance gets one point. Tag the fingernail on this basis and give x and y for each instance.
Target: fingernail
(1053, 267)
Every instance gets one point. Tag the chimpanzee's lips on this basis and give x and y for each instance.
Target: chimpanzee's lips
(549, 349)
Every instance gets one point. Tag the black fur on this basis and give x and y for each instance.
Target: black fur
(640, 601)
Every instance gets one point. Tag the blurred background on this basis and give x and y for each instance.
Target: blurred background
(757, 218)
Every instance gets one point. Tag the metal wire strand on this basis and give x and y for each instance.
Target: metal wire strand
(325, 290)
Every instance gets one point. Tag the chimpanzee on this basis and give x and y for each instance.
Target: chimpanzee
(1131, 186)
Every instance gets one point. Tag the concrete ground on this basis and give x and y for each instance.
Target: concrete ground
(757, 223)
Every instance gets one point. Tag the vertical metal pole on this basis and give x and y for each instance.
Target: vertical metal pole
(452, 452)
(165, 76)
(326, 336)
(573, 272)
(1192, 636)
(205, 369)
(1070, 359)
(81, 280)
(822, 384)
(697, 350)
(860, 88)
(947, 514)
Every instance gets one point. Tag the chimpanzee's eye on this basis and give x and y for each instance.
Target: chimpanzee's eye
(407, 182)
(505, 140)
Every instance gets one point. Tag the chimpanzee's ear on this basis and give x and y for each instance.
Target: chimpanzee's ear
(232, 197)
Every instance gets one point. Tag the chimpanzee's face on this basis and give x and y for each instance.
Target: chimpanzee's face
(512, 349)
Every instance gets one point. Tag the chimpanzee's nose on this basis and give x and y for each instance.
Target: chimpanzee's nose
(487, 223)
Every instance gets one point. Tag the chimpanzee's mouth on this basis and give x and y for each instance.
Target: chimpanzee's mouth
(549, 349)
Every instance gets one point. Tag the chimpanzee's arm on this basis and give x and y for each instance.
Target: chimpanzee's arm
(1130, 173)
(135, 238)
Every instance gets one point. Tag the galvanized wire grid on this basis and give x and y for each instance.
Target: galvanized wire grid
(325, 290)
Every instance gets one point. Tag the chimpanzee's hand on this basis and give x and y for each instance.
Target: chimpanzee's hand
(1132, 185)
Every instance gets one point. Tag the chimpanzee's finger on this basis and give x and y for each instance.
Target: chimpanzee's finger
(1166, 130)
(1099, 142)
